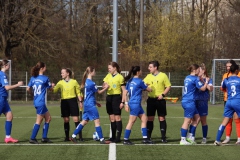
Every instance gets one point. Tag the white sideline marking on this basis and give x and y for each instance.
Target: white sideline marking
(112, 146)
(112, 151)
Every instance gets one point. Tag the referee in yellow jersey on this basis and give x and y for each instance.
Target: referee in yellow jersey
(160, 85)
(70, 95)
(114, 100)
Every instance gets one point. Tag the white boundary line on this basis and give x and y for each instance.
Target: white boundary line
(112, 151)
(112, 146)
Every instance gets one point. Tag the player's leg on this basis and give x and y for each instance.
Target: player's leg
(8, 123)
(143, 118)
(228, 112)
(111, 117)
(162, 112)
(117, 116)
(79, 128)
(228, 129)
(74, 112)
(203, 120)
(151, 110)
(47, 118)
(65, 113)
(189, 110)
(131, 121)
(36, 126)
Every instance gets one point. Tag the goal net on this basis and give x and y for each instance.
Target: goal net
(218, 69)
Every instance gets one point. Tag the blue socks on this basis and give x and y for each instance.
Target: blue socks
(220, 132)
(78, 129)
(35, 131)
(205, 131)
(184, 132)
(144, 132)
(99, 132)
(193, 130)
(8, 127)
(127, 134)
(45, 130)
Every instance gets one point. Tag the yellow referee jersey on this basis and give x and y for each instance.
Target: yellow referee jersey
(114, 82)
(70, 89)
(158, 83)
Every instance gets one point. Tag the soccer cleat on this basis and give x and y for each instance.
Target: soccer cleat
(204, 141)
(81, 140)
(74, 140)
(185, 143)
(147, 141)
(238, 143)
(111, 140)
(46, 140)
(10, 140)
(105, 142)
(164, 140)
(226, 141)
(127, 142)
(191, 141)
(33, 141)
(67, 139)
(216, 143)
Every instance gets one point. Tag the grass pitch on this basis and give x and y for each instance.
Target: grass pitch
(24, 118)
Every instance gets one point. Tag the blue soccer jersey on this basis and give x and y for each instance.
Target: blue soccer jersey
(232, 84)
(192, 84)
(39, 84)
(204, 95)
(89, 94)
(134, 87)
(3, 83)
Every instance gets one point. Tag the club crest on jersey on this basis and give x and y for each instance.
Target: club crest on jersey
(114, 86)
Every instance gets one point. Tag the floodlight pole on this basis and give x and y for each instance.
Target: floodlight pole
(141, 32)
(115, 32)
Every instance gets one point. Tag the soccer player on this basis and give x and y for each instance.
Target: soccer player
(38, 86)
(192, 84)
(114, 100)
(90, 110)
(4, 106)
(134, 87)
(236, 119)
(160, 85)
(202, 106)
(232, 85)
(70, 95)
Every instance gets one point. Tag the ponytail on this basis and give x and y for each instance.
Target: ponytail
(133, 71)
(85, 74)
(35, 70)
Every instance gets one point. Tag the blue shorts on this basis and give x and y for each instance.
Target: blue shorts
(90, 113)
(189, 107)
(41, 109)
(231, 107)
(202, 107)
(135, 109)
(4, 106)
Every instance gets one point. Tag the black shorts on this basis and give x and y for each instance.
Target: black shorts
(112, 104)
(153, 105)
(69, 107)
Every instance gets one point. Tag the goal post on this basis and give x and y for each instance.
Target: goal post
(218, 69)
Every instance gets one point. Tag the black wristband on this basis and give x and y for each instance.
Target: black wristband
(123, 102)
(163, 95)
(81, 101)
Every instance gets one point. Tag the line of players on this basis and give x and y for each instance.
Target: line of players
(195, 101)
